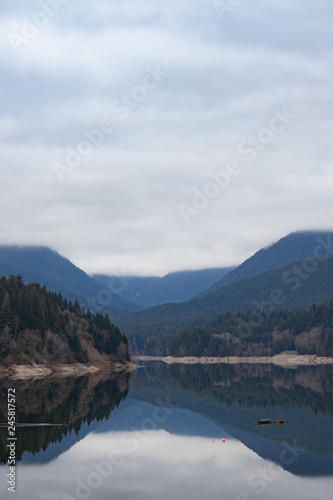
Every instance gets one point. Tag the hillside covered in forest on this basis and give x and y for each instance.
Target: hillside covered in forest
(295, 247)
(151, 326)
(259, 333)
(42, 327)
(48, 268)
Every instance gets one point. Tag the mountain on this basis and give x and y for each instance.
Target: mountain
(128, 287)
(174, 287)
(37, 326)
(292, 248)
(46, 267)
(260, 333)
(297, 284)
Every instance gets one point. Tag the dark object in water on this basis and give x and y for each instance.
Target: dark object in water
(267, 421)
(264, 421)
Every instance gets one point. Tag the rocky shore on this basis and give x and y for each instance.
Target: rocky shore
(26, 372)
(287, 360)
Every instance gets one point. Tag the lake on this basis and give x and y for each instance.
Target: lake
(179, 431)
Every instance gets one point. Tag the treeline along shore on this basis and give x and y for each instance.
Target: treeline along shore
(42, 332)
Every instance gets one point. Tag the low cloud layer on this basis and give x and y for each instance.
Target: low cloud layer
(141, 138)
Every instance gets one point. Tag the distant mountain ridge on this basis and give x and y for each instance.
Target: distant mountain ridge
(182, 296)
(115, 295)
(291, 248)
(173, 287)
(47, 267)
(274, 289)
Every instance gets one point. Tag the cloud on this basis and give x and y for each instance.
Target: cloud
(119, 207)
(155, 463)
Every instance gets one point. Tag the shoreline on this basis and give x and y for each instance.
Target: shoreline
(283, 359)
(26, 372)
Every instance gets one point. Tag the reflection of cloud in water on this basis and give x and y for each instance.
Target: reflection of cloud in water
(155, 464)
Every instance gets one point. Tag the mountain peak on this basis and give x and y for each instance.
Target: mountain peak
(41, 264)
(293, 247)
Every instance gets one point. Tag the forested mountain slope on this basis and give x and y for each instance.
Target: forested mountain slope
(46, 267)
(297, 284)
(37, 326)
(294, 247)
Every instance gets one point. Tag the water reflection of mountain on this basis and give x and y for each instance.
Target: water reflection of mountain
(236, 396)
(77, 403)
(208, 401)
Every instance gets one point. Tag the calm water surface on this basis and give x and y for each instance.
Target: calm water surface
(181, 432)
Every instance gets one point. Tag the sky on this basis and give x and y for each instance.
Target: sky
(156, 136)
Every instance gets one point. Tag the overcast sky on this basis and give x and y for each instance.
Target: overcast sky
(141, 137)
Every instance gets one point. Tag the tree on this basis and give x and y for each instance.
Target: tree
(6, 314)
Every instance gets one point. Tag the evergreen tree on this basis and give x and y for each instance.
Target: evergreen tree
(6, 313)
(36, 322)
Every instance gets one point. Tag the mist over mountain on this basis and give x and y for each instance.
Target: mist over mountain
(293, 247)
(295, 271)
(252, 293)
(299, 283)
(46, 267)
(173, 287)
